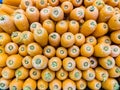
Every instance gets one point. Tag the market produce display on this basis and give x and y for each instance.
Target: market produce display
(60, 45)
